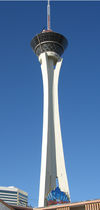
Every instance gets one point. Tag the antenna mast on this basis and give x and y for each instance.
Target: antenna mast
(48, 15)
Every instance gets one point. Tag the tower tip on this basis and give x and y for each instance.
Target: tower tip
(48, 15)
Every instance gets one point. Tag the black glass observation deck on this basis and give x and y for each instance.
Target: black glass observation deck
(49, 41)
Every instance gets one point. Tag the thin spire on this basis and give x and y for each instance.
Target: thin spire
(48, 15)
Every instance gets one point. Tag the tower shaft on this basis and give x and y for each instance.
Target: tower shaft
(52, 160)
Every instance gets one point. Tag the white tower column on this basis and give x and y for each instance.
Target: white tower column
(52, 160)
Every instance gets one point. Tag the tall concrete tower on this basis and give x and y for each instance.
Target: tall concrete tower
(49, 46)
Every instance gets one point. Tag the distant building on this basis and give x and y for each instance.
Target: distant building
(13, 196)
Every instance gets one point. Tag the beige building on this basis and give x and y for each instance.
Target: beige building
(85, 205)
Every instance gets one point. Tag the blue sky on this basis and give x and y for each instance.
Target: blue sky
(21, 95)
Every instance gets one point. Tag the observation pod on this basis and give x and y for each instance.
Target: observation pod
(49, 47)
(49, 41)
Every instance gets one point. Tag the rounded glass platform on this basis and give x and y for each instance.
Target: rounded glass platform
(49, 41)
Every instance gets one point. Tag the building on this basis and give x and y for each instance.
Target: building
(49, 47)
(84, 205)
(13, 196)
